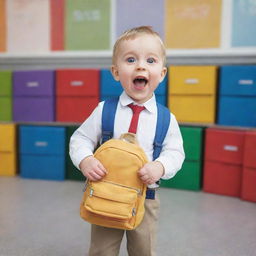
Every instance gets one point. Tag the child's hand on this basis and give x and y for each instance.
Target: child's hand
(92, 168)
(151, 172)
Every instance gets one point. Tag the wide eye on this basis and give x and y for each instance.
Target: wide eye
(131, 59)
(151, 60)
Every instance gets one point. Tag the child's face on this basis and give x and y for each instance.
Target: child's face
(139, 66)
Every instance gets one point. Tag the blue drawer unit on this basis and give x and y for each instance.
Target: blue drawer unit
(42, 152)
(237, 96)
(109, 87)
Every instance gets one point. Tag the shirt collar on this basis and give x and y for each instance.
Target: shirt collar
(150, 105)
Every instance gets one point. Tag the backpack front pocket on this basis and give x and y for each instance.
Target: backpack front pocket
(111, 200)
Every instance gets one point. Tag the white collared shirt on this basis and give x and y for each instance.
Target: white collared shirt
(86, 138)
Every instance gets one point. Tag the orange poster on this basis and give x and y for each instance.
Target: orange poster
(2, 26)
(193, 23)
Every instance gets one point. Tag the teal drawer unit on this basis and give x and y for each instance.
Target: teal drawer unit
(190, 176)
(72, 173)
(42, 152)
(5, 95)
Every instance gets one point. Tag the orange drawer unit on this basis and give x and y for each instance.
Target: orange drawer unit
(249, 168)
(7, 149)
(223, 161)
(77, 94)
(192, 93)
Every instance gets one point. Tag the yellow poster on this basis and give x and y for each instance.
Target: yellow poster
(2, 26)
(193, 23)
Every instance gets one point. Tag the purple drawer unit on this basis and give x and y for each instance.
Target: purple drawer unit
(34, 96)
(132, 14)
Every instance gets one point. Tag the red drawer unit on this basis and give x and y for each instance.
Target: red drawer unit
(223, 161)
(77, 94)
(249, 171)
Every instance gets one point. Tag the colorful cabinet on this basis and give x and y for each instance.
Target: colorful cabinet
(248, 190)
(42, 152)
(72, 172)
(109, 87)
(237, 96)
(77, 94)
(5, 95)
(223, 161)
(8, 156)
(34, 95)
(192, 93)
(189, 177)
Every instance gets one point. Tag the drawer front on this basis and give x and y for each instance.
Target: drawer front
(33, 83)
(5, 83)
(189, 177)
(192, 142)
(78, 82)
(75, 109)
(224, 145)
(7, 163)
(250, 150)
(42, 167)
(42, 140)
(7, 137)
(222, 178)
(237, 111)
(5, 108)
(238, 80)
(192, 80)
(108, 85)
(195, 109)
(248, 191)
(33, 109)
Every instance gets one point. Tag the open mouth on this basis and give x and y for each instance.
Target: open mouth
(140, 82)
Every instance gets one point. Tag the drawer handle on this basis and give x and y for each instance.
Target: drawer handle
(41, 143)
(245, 82)
(77, 83)
(192, 81)
(33, 84)
(230, 148)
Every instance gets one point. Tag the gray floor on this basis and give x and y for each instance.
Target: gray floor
(41, 218)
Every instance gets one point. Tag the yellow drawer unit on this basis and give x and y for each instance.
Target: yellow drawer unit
(7, 149)
(192, 93)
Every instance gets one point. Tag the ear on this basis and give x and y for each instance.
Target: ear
(114, 72)
(163, 74)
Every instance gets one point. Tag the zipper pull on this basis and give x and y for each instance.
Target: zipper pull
(133, 211)
(91, 192)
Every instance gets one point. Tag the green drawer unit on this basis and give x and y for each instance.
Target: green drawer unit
(189, 177)
(72, 173)
(5, 95)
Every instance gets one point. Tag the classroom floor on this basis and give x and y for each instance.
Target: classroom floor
(41, 218)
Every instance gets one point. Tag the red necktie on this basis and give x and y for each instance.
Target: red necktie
(136, 112)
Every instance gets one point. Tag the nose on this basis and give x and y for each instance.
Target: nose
(141, 65)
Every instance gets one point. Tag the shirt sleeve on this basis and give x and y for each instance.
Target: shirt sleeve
(86, 138)
(172, 154)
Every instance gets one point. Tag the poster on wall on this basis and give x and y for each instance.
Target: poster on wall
(132, 13)
(2, 27)
(193, 24)
(87, 25)
(244, 23)
(28, 25)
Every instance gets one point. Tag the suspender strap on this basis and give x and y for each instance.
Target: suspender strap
(163, 122)
(108, 118)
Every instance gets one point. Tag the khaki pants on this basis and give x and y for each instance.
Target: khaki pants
(140, 242)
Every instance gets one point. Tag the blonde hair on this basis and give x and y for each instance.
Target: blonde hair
(133, 33)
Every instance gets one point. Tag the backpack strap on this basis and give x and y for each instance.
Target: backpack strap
(108, 118)
(162, 126)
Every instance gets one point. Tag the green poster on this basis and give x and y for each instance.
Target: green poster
(87, 25)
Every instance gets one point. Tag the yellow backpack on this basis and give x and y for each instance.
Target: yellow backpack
(117, 201)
